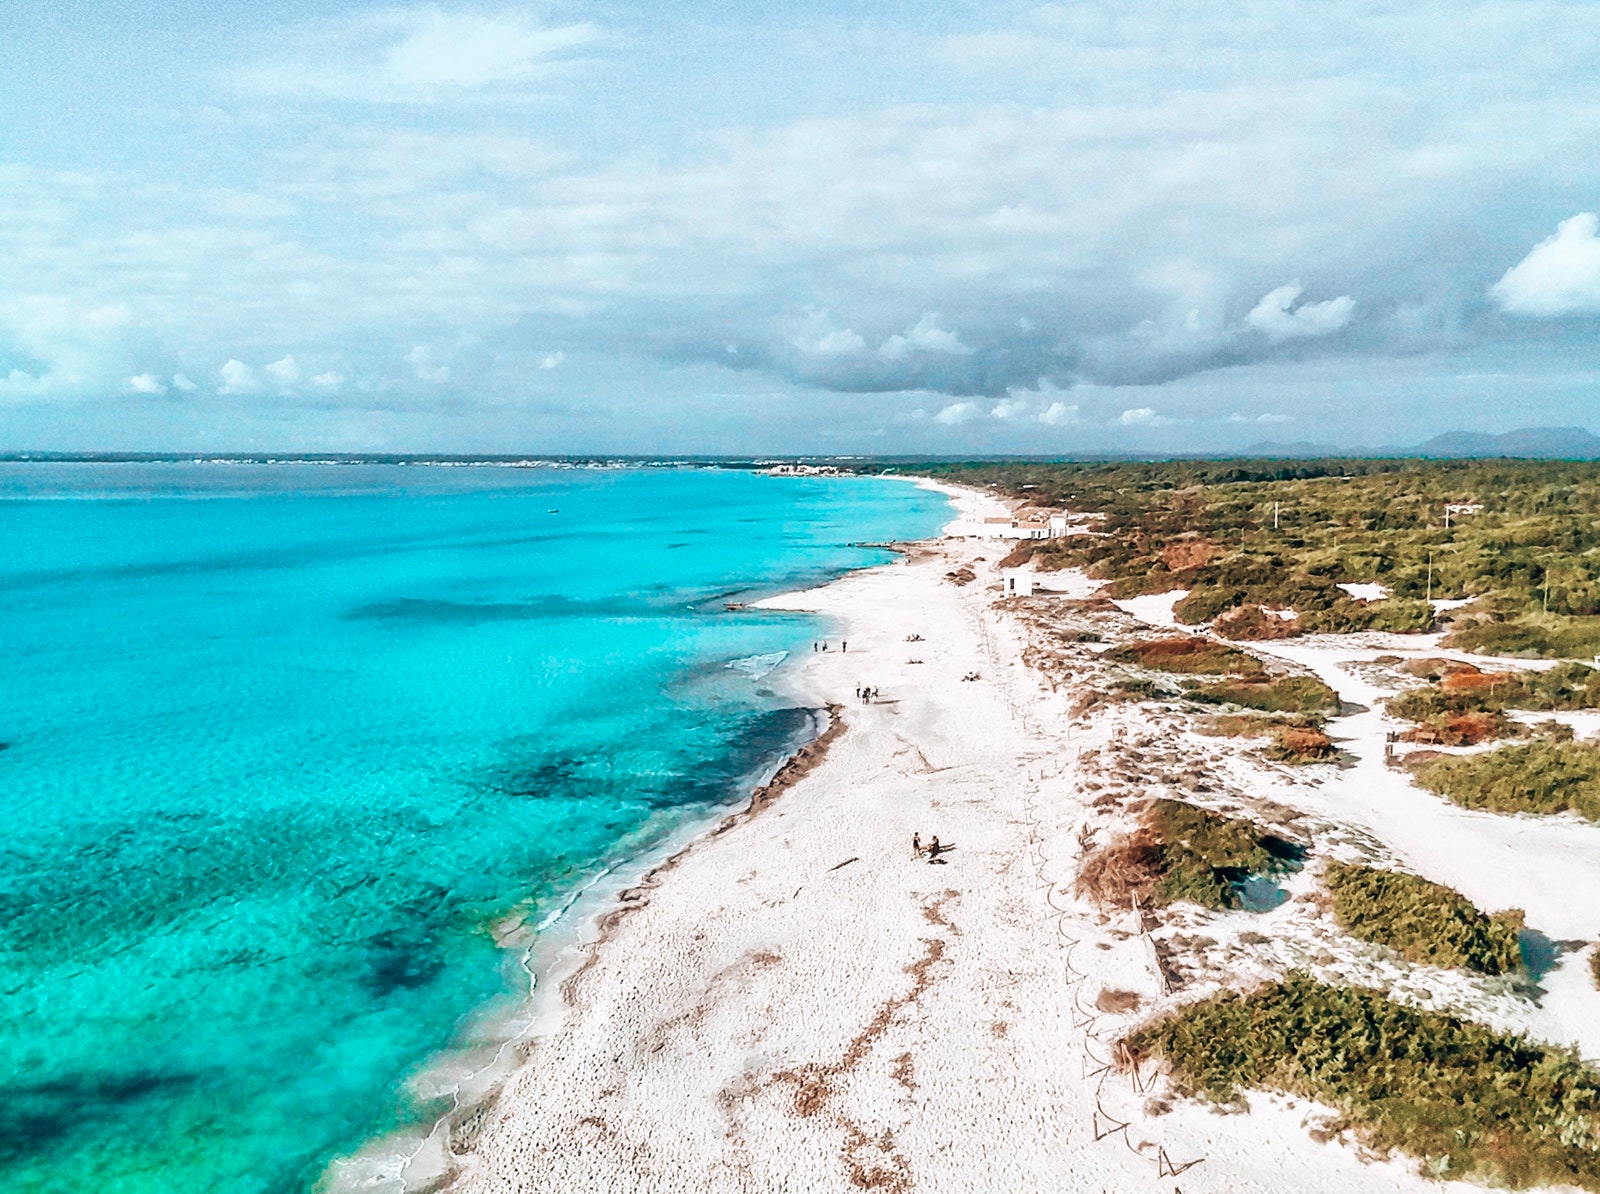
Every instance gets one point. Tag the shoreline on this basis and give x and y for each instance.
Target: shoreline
(564, 945)
(560, 948)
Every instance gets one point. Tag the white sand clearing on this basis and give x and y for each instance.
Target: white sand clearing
(1156, 609)
(799, 1003)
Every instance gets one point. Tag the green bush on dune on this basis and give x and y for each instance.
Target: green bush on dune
(1534, 636)
(1469, 1101)
(1182, 852)
(1285, 534)
(1280, 694)
(1187, 655)
(1423, 922)
(1205, 855)
(1537, 777)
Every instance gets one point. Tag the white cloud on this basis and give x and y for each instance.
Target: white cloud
(1011, 408)
(331, 380)
(840, 342)
(1261, 420)
(180, 381)
(1560, 276)
(237, 377)
(1058, 414)
(424, 366)
(1273, 316)
(465, 50)
(146, 383)
(284, 371)
(957, 413)
(925, 336)
(421, 53)
(552, 360)
(1141, 416)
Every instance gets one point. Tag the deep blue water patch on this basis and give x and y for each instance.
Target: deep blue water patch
(288, 740)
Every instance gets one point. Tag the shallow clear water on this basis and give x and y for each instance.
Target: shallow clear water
(282, 741)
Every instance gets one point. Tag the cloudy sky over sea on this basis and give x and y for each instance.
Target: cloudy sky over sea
(711, 226)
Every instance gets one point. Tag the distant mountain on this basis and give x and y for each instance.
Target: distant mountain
(1548, 443)
(1299, 450)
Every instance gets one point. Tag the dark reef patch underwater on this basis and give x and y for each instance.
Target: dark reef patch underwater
(287, 741)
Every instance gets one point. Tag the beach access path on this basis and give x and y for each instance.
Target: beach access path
(800, 1003)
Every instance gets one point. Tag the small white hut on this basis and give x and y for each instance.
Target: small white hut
(1018, 582)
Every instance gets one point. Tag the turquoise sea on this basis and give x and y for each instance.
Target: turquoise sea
(282, 741)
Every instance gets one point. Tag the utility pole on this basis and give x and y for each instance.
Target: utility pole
(1430, 576)
(1274, 515)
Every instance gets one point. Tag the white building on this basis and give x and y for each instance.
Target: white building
(1028, 526)
(1018, 582)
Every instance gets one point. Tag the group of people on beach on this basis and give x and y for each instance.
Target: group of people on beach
(933, 849)
(866, 694)
(844, 645)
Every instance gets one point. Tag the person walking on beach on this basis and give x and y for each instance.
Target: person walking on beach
(916, 845)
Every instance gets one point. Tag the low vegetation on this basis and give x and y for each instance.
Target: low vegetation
(1463, 705)
(1188, 655)
(1241, 535)
(1534, 636)
(1182, 852)
(1275, 694)
(1462, 688)
(1301, 744)
(1468, 1101)
(1543, 776)
(1423, 922)
(1294, 739)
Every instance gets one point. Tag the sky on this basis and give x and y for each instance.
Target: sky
(724, 227)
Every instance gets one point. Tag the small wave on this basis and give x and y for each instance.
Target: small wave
(758, 666)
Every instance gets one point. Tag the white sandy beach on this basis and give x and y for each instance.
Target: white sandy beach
(797, 1003)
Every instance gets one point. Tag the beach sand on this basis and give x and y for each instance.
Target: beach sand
(797, 1002)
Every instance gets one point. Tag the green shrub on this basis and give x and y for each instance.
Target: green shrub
(1181, 852)
(1538, 777)
(1567, 686)
(1285, 534)
(1243, 725)
(1136, 690)
(1469, 1101)
(1594, 966)
(1281, 694)
(1533, 636)
(1205, 856)
(1421, 921)
(1188, 655)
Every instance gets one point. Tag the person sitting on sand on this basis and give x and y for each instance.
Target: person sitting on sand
(933, 847)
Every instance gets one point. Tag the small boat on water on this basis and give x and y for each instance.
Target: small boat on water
(733, 605)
